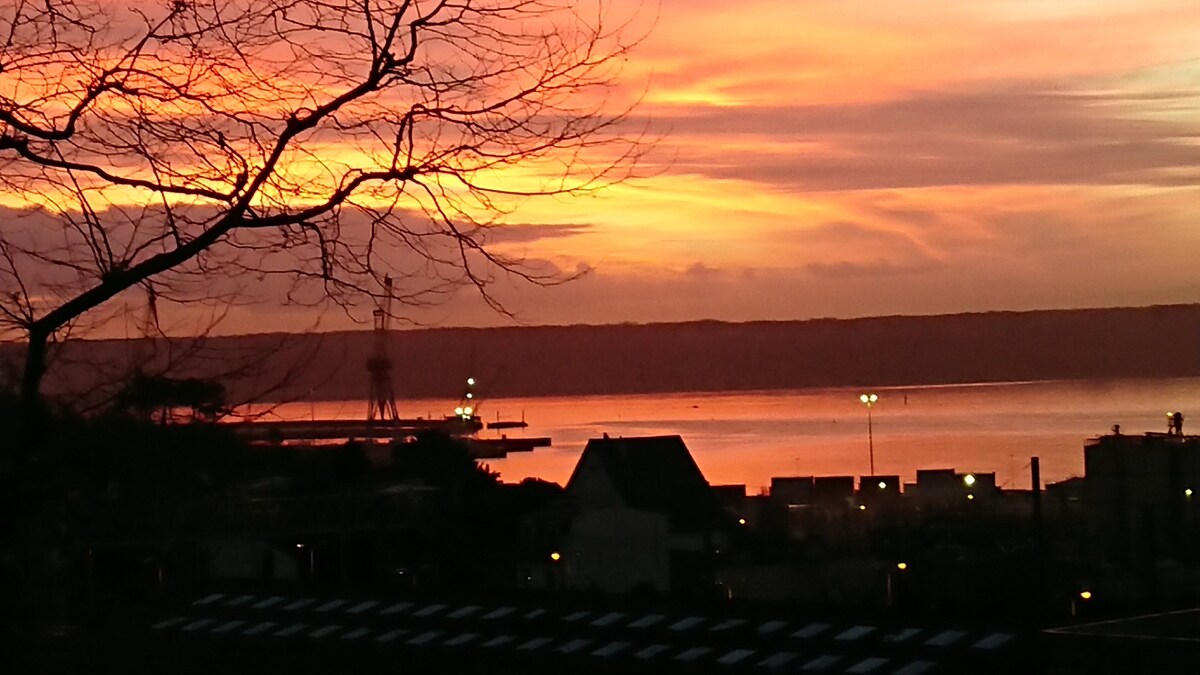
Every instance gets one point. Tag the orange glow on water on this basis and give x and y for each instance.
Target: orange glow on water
(746, 438)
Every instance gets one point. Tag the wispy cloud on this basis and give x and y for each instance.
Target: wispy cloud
(1002, 135)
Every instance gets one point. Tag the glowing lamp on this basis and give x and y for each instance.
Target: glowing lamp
(882, 485)
(969, 479)
(556, 556)
(869, 400)
(901, 566)
(470, 382)
(1085, 595)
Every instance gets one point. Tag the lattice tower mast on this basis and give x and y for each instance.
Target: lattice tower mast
(382, 403)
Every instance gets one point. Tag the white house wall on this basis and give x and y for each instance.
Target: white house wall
(617, 549)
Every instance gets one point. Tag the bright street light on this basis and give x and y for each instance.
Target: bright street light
(869, 400)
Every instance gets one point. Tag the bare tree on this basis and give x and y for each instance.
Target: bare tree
(202, 143)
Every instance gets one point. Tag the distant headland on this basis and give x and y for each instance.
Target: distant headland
(1148, 342)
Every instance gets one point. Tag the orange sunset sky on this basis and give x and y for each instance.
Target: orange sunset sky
(859, 157)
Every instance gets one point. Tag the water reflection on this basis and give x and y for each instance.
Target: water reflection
(747, 437)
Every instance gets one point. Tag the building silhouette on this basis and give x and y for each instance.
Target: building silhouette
(639, 514)
(1140, 494)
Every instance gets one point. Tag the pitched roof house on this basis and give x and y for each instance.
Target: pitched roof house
(644, 517)
(654, 474)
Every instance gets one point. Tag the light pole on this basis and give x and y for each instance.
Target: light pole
(311, 561)
(869, 400)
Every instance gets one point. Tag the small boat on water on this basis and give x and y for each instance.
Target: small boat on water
(508, 424)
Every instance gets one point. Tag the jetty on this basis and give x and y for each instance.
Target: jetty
(278, 432)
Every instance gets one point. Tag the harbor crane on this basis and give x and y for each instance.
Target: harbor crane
(382, 404)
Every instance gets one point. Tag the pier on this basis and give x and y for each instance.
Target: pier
(395, 431)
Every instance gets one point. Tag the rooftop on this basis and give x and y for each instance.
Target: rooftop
(654, 473)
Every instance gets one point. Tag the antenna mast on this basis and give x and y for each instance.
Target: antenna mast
(382, 404)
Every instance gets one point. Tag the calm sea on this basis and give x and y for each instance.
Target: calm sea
(748, 437)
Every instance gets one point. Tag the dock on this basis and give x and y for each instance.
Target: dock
(396, 431)
(498, 448)
(274, 431)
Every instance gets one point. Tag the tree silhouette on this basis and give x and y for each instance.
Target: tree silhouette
(163, 398)
(195, 146)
